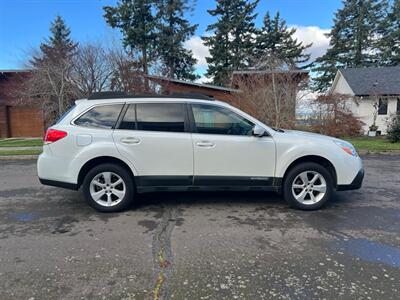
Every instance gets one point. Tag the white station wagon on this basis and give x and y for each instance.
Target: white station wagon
(114, 146)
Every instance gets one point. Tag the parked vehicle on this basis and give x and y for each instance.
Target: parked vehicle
(114, 147)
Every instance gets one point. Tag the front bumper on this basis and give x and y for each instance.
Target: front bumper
(355, 184)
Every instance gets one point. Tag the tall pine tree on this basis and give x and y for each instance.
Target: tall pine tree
(172, 31)
(50, 78)
(390, 41)
(136, 21)
(353, 41)
(59, 46)
(276, 39)
(231, 40)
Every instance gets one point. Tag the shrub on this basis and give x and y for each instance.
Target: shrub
(393, 133)
(335, 119)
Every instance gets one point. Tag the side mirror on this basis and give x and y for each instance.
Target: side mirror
(259, 131)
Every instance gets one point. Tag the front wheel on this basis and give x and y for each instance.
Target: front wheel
(308, 186)
(108, 188)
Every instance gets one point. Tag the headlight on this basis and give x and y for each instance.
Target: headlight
(347, 147)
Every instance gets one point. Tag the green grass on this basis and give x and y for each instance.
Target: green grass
(19, 152)
(21, 142)
(372, 143)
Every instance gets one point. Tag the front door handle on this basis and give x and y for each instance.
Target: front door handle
(130, 140)
(205, 144)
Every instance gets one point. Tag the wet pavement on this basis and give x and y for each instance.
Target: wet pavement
(200, 245)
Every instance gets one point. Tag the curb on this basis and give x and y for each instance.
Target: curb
(18, 157)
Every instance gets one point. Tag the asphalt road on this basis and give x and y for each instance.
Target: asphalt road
(200, 246)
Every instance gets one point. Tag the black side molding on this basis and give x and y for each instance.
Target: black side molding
(354, 185)
(65, 185)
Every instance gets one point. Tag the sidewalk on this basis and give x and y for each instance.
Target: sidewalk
(20, 148)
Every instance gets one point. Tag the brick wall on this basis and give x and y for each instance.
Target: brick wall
(18, 118)
(4, 130)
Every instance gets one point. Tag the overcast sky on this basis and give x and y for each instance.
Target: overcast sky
(25, 23)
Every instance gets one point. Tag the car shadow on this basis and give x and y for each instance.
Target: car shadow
(203, 197)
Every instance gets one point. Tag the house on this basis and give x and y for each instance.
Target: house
(367, 86)
(232, 95)
(226, 94)
(18, 118)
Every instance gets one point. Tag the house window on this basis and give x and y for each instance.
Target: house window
(398, 106)
(382, 106)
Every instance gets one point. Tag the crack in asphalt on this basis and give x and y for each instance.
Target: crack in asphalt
(162, 252)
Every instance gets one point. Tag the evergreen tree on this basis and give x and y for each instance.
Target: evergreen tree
(390, 41)
(136, 21)
(50, 78)
(231, 41)
(277, 40)
(172, 31)
(353, 41)
(59, 46)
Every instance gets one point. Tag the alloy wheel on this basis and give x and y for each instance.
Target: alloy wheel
(309, 187)
(107, 189)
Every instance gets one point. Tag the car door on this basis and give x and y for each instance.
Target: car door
(155, 138)
(225, 151)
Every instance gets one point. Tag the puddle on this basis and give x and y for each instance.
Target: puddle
(24, 217)
(371, 251)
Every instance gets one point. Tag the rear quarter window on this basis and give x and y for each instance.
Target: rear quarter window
(104, 116)
(65, 114)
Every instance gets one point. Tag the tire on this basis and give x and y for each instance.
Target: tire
(301, 192)
(109, 188)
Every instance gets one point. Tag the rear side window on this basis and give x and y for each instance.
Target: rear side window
(104, 116)
(62, 117)
(155, 117)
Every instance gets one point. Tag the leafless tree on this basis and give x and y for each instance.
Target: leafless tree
(92, 69)
(272, 90)
(127, 73)
(48, 86)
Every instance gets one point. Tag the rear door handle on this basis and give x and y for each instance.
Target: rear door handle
(130, 140)
(205, 144)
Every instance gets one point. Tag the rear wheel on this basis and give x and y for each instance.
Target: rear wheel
(108, 188)
(308, 186)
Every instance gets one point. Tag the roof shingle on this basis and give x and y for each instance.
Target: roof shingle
(373, 81)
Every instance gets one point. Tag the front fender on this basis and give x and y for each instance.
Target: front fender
(345, 165)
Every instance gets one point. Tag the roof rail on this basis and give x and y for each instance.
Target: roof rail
(111, 95)
(107, 95)
(191, 96)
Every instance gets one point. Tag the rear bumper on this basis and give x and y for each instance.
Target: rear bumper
(65, 185)
(355, 184)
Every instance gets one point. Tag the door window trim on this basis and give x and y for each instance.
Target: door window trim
(187, 125)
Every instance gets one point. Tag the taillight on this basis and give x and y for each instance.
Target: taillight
(53, 135)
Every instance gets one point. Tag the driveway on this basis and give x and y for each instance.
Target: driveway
(199, 246)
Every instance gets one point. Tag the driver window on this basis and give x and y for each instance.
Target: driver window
(212, 119)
